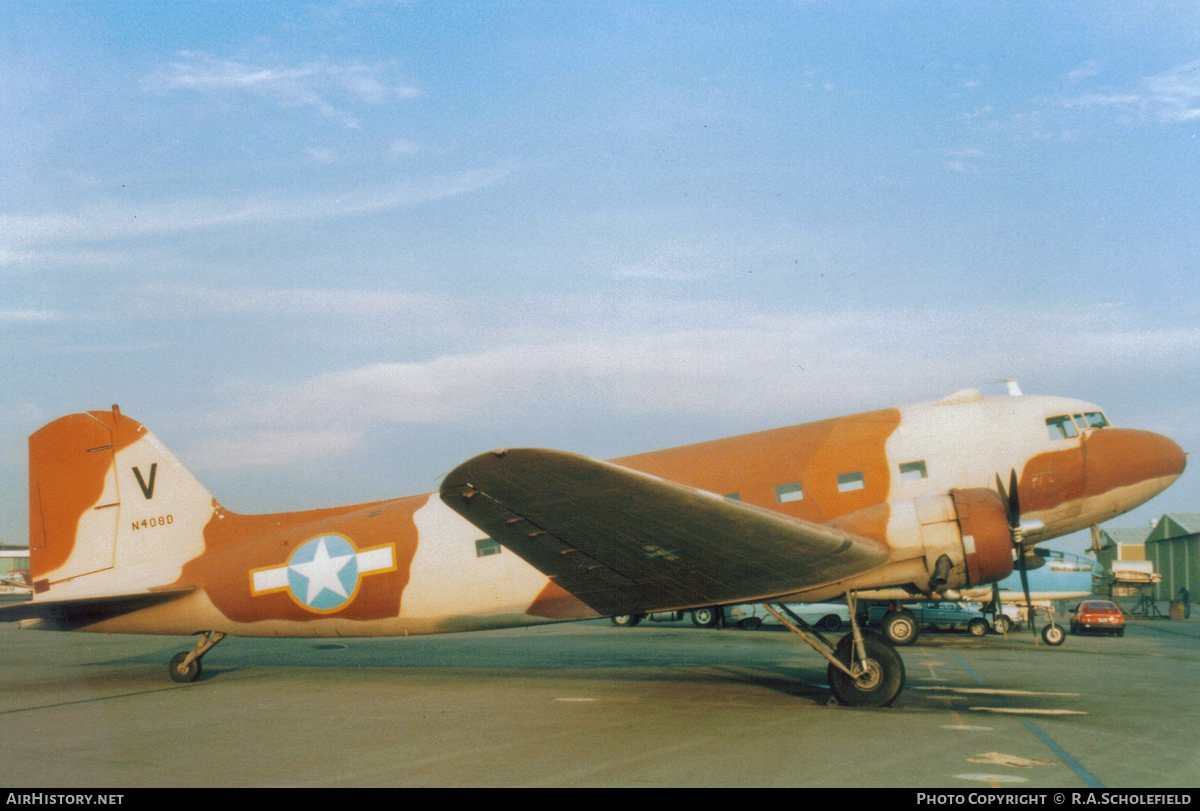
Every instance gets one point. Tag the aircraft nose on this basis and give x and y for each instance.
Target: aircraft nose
(1119, 457)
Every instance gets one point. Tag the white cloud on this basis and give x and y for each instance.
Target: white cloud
(309, 85)
(402, 148)
(965, 160)
(322, 155)
(104, 222)
(1084, 71)
(261, 449)
(28, 316)
(762, 367)
(169, 301)
(1171, 97)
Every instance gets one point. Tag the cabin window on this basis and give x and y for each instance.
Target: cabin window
(788, 492)
(912, 471)
(850, 481)
(486, 547)
(1095, 420)
(1061, 427)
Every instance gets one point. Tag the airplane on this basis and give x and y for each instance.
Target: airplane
(123, 539)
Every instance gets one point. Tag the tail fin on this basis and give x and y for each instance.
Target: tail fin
(111, 511)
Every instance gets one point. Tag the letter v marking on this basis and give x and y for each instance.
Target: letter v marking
(147, 489)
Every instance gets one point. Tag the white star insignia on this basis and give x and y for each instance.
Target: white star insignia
(322, 572)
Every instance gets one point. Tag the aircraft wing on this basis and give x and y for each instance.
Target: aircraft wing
(627, 542)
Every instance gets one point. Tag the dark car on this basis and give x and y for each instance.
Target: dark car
(1097, 615)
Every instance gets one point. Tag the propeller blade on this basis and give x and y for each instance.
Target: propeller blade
(1014, 510)
(1025, 586)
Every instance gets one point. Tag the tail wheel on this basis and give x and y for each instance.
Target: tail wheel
(706, 617)
(900, 627)
(626, 620)
(881, 678)
(183, 676)
(1053, 635)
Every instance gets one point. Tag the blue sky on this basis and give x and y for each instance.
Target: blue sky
(326, 251)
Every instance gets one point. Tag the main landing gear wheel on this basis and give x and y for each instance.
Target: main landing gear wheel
(880, 678)
(706, 617)
(626, 620)
(188, 674)
(1053, 635)
(899, 627)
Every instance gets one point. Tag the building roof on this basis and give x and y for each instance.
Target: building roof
(1123, 535)
(1175, 525)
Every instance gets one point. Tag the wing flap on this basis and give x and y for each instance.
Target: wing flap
(623, 541)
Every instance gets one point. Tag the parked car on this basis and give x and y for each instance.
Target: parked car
(902, 624)
(824, 616)
(1097, 615)
(828, 617)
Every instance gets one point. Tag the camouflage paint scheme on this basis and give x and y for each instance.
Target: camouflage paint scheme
(113, 512)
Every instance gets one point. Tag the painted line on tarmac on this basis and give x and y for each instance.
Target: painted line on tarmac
(967, 667)
(993, 779)
(1024, 711)
(961, 726)
(1071, 763)
(988, 691)
(933, 676)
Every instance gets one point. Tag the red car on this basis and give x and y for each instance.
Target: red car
(1097, 615)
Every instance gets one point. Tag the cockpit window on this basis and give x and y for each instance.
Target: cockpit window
(1061, 427)
(1095, 420)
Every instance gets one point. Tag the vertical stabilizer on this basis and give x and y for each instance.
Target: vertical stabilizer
(110, 509)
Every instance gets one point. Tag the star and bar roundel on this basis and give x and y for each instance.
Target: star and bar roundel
(324, 573)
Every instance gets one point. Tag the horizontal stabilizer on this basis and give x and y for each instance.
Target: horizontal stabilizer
(70, 615)
(626, 542)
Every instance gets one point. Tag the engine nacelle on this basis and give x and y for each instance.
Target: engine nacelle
(946, 541)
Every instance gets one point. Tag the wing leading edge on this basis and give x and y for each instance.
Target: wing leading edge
(626, 542)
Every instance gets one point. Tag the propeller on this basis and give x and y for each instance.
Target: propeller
(1012, 508)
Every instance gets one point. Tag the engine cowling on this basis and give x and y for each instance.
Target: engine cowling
(955, 540)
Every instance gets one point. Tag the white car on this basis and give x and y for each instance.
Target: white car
(829, 617)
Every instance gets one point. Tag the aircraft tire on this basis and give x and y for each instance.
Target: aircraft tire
(880, 685)
(626, 620)
(900, 627)
(977, 627)
(189, 675)
(706, 617)
(1053, 635)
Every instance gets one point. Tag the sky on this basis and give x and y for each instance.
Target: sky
(327, 251)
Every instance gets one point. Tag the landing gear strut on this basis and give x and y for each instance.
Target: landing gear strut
(185, 667)
(864, 670)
